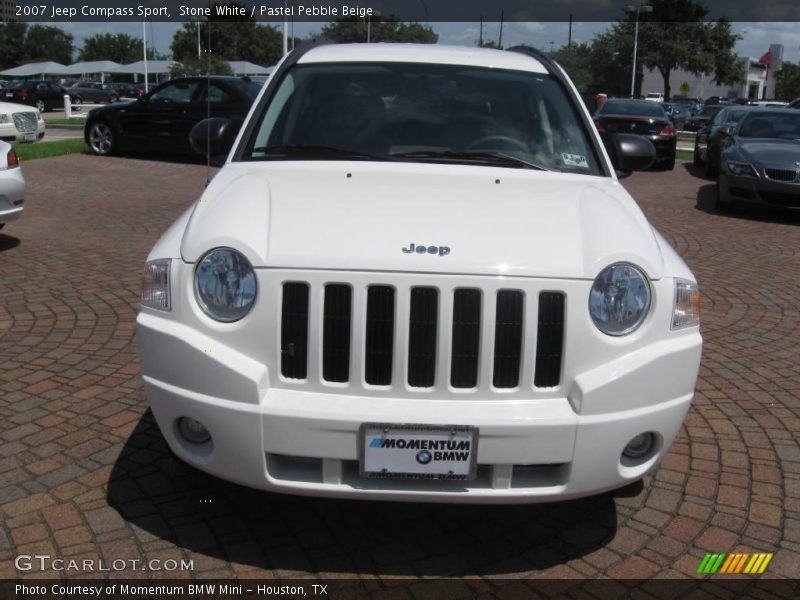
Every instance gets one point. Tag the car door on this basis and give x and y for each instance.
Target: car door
(167, 116)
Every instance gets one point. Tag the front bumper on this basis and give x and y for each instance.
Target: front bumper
(735, 188)
(10, 133)
(533, 446)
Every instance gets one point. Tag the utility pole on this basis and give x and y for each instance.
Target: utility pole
(569, 36)
(500, 39)
(480, 35)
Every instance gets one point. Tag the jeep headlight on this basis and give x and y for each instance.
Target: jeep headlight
(620, 299)
(225, 285)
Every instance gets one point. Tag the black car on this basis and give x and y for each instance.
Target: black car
(703, 117)
(93, 91)
(640, 117)
(795, 103)
(708, 141)
(161, 120)
(760, 161)
(44, 95)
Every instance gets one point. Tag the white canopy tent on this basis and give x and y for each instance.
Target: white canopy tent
(138, 68)
(85, 68)
(40, 69)
(243, 67)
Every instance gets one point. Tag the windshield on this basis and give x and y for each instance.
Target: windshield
(784, 126)
(423, 112)
(709, 111)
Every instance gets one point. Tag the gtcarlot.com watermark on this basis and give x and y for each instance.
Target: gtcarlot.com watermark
(45, 562)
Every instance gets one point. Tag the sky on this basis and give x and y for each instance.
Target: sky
(757, 37)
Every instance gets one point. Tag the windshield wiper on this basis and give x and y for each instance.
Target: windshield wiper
(472, 156)
(315, 151)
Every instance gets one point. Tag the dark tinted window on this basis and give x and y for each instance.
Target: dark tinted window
(784, 125)
(633, 108)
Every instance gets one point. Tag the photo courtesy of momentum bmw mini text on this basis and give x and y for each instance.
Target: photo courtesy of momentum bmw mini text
(440, 299)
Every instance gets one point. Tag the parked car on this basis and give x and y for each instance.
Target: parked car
(703, 117)
(161, 121)
(710, 138)
(639, 117)
(769, 103)
(20, 123)
(12, 185)
(93, 92)
(795, 103)
(417, 278)
(760, 162)
(129, 90)
(44, 95)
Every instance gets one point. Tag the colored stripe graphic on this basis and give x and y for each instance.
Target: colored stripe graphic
(735, 563)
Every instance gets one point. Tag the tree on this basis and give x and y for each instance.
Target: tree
(12, 37)
(229, 38)
(576, 61)
(44, 42)
(787, 82)
(675, 36)
(381, 29)
(121, 48)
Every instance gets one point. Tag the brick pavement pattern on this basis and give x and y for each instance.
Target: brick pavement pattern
(85, 473)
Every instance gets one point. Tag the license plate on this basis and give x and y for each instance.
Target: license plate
(29, 137)
(418, 451)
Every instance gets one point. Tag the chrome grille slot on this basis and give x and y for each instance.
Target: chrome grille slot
(422, 328)
(508, 338)
(466, 338)
(549, 339)
(379, 349)
(294, 331)
(336, 332)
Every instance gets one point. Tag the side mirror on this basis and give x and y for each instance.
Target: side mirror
(213, 138)
(631, 152)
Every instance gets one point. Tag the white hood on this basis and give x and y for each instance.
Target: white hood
(360, 216)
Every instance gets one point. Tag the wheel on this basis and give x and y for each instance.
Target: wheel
(669, 164)
(77, 101)
(509, 141)
(101, 139)
(719, 204)
(113, 98)
(697, 161)
(40, 105)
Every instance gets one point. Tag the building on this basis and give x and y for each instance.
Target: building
(758, 83)
(8, 10)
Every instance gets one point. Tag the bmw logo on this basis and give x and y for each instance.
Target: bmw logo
(424, 457)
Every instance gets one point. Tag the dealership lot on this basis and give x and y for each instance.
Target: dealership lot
(86, 474)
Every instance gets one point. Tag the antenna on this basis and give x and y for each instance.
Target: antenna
(208, 100)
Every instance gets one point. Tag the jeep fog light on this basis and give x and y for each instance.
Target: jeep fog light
(640, 446)
(225, 285)
(155, 285)
(193, 431)
(620, 299)
(686, 310)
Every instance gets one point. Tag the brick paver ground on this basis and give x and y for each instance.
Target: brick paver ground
(85, 473)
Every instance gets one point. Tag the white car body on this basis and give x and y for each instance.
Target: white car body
(12, 188)
(20, 123)
(488, 228)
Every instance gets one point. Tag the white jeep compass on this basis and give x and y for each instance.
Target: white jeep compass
(417, 278)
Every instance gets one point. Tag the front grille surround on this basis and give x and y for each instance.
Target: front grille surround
(26, 122)
(385, 301)
(782, 175)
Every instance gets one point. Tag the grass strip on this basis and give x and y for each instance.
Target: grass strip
(49, 149)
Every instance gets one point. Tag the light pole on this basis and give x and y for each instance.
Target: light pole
(645, 8)
(369, 23)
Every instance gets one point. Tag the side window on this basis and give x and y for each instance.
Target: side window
(177, 93)
(41, 87)
(215, 95)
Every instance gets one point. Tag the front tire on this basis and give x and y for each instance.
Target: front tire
(113, 98)
(102, 139)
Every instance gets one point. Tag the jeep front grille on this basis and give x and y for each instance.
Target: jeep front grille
(422, 337)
